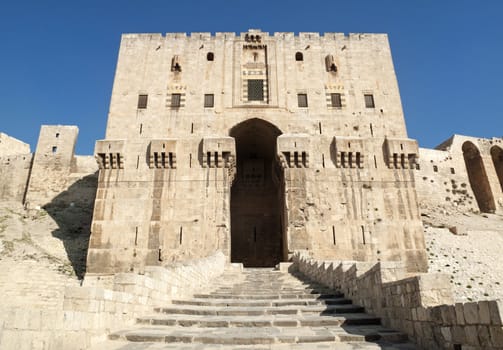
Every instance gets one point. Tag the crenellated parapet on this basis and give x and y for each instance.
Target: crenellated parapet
(218, 152)
(349, 152)
(110, 154)
(400, 153)
(162, 153)
(293, 150)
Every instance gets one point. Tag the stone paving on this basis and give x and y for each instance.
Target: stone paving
(259, 309)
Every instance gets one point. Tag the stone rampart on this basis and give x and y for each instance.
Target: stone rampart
(421, 306)
(89, 313)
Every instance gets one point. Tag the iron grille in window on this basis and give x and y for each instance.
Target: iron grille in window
(176, 100)
(336, 100)
(369, 101)
(302, 98)
(255, 90)
(142, 101)
(209, 100)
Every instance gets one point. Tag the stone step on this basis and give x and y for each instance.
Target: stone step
(255, 302)
(125, 345)
(216, 295)
(259, 321)
(254, 335)
(258, 310)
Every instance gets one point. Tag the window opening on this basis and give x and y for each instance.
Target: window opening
(302, 100)
(299, 56)
(142, 101)
(209, 100)
(336, 100)
(255, 90)
(54, 149)
(369, 101)
(210, 56)
(176, 100)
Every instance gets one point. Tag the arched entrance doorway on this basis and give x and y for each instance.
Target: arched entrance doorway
(478, 178)
(497, 156)
(257, 196)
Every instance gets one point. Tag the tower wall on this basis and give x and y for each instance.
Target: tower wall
(168, 163)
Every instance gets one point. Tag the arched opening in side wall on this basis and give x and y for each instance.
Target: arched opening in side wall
(257, 196)
(497, 156)
(478, 178)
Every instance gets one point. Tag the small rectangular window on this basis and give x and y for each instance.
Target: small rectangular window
(142, 101)
(176, 100)
(369, 101)
(255, 90)
(54, 149)
(209, 100)
(336, 100)
(302, 99)
(435, 168)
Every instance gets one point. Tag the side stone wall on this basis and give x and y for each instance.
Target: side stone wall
(421, 306)
(89, 313)
(14, 173)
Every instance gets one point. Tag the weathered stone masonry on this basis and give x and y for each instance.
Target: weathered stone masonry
(256, 145)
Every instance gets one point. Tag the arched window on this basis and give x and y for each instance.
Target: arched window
(210, 56)
(299, 56)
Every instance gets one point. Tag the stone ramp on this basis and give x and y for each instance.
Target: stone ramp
(259, 309)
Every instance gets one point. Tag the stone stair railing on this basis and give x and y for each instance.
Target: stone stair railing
(89, 313)
(421, 306)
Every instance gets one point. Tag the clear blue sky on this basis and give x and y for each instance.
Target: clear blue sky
(57, 58)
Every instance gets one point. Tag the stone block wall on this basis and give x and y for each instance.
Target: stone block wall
(14, 173)
(443, 177)
(10, 146)
(421, 306)
(90, 312)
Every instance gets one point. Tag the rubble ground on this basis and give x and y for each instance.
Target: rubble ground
(468, 247)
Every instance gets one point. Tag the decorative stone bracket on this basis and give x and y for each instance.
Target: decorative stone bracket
(400, 153)
(219, 152)
(162, 153)
(293, 150)
(349, 152)
(110, 154)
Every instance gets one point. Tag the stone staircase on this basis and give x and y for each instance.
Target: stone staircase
(260, 309)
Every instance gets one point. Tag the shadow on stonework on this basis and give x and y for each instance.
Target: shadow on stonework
(73, 211)
(356, 324)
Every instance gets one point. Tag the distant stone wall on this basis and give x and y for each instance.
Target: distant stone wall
(421, 306)
(444, 178)
(10, 146)
(90, 313)
(14, 173)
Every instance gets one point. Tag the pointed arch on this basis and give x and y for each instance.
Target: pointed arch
(478, 178)
(497, 157)
(257, 197)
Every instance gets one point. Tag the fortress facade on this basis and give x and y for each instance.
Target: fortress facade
(258, 146)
